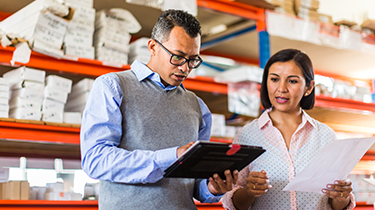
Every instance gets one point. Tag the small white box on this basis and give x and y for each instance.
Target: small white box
(57, 82)
(72, 117)
(38, 86)
(23, 113)
(80, 87)
(139, 43)
(83, 13)
(4, 88)
(83, 3)
(239, 74)
(47, 49)
(4, 81)
(5, 95)
(25, 73)
(78, 101)
(4, 114)
(76, 196)
(18, 102)
(80, 51)
(48, 36)
(29, 94)
(4, 101)
(57, 196)
(55, 94)
(4, 107)
(52, 116)
(230, 131)
(78, 38)
(49, 105)
(55, 187)
(218, 125)
(76, 26)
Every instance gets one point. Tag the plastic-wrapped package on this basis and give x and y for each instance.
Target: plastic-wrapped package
(350, 39)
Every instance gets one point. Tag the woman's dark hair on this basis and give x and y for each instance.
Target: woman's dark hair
(303, 62)
(171, 18)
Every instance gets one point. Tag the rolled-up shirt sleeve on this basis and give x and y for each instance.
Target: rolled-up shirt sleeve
(100, 137)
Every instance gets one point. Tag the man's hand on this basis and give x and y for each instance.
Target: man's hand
(182, 149)
(218, 186)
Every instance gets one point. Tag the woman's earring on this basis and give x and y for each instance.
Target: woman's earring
(306, 94)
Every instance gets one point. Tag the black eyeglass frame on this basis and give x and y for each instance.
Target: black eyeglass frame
(179, 56)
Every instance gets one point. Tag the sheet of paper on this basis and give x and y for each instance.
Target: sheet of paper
(333, 162)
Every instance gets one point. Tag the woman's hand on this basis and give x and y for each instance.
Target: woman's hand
(218, 186)
(257, 183)
(339, 192)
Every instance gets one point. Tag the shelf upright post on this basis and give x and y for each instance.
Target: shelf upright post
(264, 39)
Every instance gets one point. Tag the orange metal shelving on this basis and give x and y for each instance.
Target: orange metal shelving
(39, 133)
(75, 205)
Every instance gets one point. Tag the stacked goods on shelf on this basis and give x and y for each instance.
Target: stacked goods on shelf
(112, 35)
(26, 87)
(15, 190)
(4, 98)
(55, 191)
(78, 97)
(78, 41)
(43, 23)
(55, 96)
(138, 50)
(283, 6)
(307, 9)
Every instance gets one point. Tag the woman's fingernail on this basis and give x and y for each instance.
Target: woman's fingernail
(329, 186)
(336, 182)
(324, 191)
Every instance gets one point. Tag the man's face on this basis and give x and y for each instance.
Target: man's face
(179, 43)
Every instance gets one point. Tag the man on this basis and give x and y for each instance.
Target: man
(138, 122)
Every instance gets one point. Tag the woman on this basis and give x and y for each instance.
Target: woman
(291, 137)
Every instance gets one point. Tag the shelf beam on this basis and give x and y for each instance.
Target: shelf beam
(344, 104)
(92, 68)
(205, 84)
(38, 133)
(232, 8)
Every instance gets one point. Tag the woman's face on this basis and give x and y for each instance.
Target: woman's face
(286, 86)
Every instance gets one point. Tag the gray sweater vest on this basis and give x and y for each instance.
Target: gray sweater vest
(153, 119)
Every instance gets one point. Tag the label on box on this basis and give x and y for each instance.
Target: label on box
(48, 36)
(29, 94)
(50, 105)
(27, 114)
(80, 51)
(78, 38)
(53, 22)
(57, 82)
(18, 102)
(53, 116)
(55, 94)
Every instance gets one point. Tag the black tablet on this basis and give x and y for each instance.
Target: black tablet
(204, 158)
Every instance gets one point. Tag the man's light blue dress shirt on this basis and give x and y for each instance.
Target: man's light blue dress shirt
(101, 132)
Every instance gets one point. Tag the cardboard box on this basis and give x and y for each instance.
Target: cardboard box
(38, 86)
(52, 116)
(24, 73)
(24, 113)
(117, 20)
(218, 125)
(83, 13)
(29, 94)
(4, 101)
(240, 74)
(55, 94)
(72, 117)
(368, 24)
(55, 187)
(57, 82)
(19, 102)
(25, 190)
(49, 105)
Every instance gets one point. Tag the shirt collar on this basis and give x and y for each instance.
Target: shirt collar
(265, 118)
(142, 72)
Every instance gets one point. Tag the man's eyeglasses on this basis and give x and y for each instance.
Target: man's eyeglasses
(178, 60)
